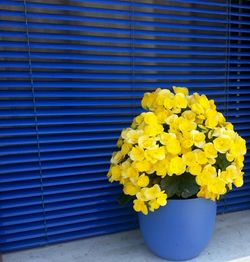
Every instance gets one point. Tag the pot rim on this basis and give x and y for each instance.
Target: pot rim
(189, 199)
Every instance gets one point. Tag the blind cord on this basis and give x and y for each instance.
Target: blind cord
(35, 118)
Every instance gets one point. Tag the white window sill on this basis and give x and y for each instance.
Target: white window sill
(230, 242)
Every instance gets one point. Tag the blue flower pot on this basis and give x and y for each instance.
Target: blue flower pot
(181, 229)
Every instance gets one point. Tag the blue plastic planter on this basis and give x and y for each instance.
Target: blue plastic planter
(181, 229)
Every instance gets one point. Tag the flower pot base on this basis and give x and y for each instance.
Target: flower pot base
(180, 230)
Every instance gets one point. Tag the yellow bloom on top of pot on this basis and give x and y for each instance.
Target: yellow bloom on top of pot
(182, 147)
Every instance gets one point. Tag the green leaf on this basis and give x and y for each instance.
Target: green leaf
(170, 185)
(222, 162)
(188, 186)
(183, 186)
(124, 199)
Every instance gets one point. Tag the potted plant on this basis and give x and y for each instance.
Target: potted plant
(174, 162)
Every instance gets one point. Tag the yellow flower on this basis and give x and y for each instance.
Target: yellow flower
(136, 154)
(132, 136)
(162, 115)
(221, 118)
(230, 157)
(182, 90)
(222, 143)
(210, 150)
(206, 194)
(212, 105)
(212, 118)
(228, 126)
(173, 146)
(186, 126)
(141, 194)
(160, 96)
(159, 200)
(126, 147)
(180, 101)
(200, 156)
(148, 101)
(177, 166)
(198, 138)
(154, 154)
(198, 109)
(119, 142)
(162, 198)
(189, 115)
(209, 171)
(217, 186)
(151, 192)
(240, 144)
(114, 173)
(140, 206)
(130, 189)
(153, 204)
(134, 125)
(218, 131)
(204, 102)
(150, 118)
(116, 157)
(124, 168)
(132, 172)
(143, 166)
(190, 158)
(153, 130)
(169, 102)
(238, 181)
(211, 161)
(186, 143)
(143, 180)
(161, 167)
(146, 142)
(172, 139)
(164, 137)
(239, 161)
(230, 174)
(139, 119)
(195, 169)
(185, 150)
(207, 175)
(171, 119)
(125, 132)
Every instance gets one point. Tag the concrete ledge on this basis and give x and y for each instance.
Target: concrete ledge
(231, 242)
(244, 259)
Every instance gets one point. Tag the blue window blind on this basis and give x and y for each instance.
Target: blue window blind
(72, 76)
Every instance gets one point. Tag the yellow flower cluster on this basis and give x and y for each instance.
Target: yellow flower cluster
(180, 134)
